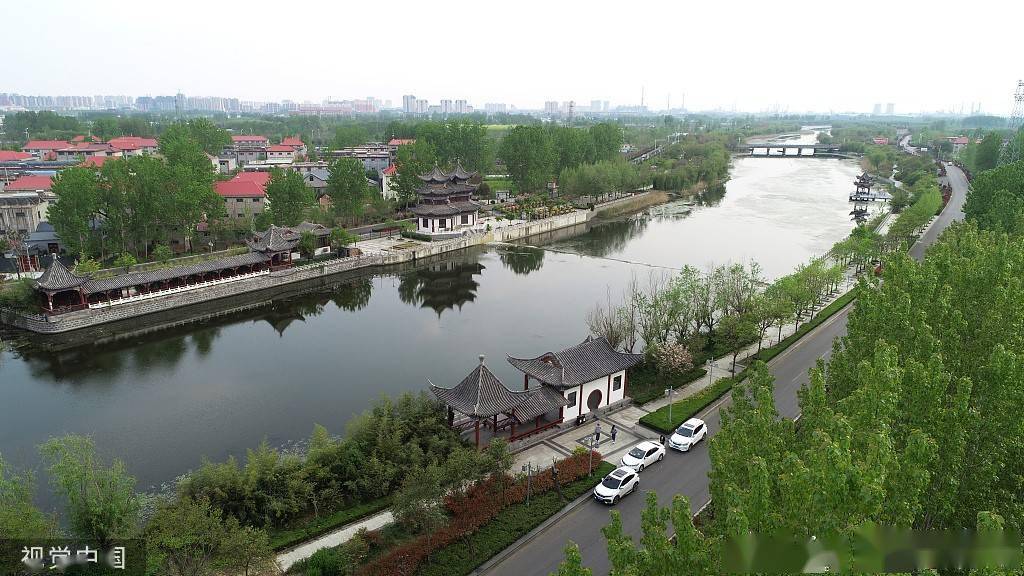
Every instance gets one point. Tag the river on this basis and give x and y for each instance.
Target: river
(164, 399)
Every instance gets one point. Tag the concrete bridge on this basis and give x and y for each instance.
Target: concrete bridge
(783, 150)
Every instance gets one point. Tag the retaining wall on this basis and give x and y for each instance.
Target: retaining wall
(85, 318)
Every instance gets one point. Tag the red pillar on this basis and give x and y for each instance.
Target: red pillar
(512, 432)
(477, 426)
(49, 299)
(81, 297)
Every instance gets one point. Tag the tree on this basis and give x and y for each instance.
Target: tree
(125, 260)
(530, 157)
(347, 188)
(348, 135)
(607, 140)
(19, 518)
(736, 330)
(187, 537)
(497, 462)
(573, 563)
(673, 359)
(412, 161)
(77, 192)
(417, 504)
(604, 321)
(307, 244)
(766, 310)
(288, 197)
(986, 156)
(102, 503)
(162, 253)
(86, 266)
(340, 238)
(247, 550)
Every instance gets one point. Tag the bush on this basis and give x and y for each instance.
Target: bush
(646, 384)
(19, 295)
(416, 236)
(307, 529)
(473, 509)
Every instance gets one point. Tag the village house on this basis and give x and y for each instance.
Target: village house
(45, 149)
(13, 156)
(280, 154)
(374, 157)
(85, 150)
(245, 195)
(387, 182)
(134, 145)
(24, 203)
(297, 145)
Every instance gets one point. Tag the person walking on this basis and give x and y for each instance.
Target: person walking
(613, 432)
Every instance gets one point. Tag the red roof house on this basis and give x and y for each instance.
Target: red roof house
(260, 178)
(248, 139)
(396, 142)
(280, 148)
(96, 162)
(30, 184)
(390, 170)
(244, 185)
(12, 156)
(293, 141)
(881, 140)
(134, 143)
(43, 146)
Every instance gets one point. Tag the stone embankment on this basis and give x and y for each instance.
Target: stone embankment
(86, 318)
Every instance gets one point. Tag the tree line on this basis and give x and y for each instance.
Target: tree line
(133, 204)
(534, 155)
(912, 423)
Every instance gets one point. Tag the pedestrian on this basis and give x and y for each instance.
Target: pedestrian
(661, 439)
(613, 432)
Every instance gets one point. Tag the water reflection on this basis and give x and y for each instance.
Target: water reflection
(441, 286)
(522, 259)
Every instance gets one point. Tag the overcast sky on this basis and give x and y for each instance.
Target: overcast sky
(791, 55)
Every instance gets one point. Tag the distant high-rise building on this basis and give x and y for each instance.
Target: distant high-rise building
(446, 106)
(461, 107)
(877, 109)
(409, 104)
(595, 105)
(422, 106)
(495, 108)
(551, 107)
(890, 108)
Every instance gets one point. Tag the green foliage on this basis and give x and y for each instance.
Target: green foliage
(530, 157)
(41, 125)
(19, 295)
(603, 177)
(346, 136)
(381, 447)
(77, 191)
(986, 156)
(125, 260)
(689, 406)
(86, 266)
(689, 553)
(307, 244)
(19, 518)
(927, 204)
(162, 253)
(308, 528)
(210, 138)
(289, 197)
(996, 200)
(412, 160)
(101, 501)
(341, 237)
(347, 187)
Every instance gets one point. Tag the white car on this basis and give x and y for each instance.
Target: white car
(689, 433)
(643, 455)
(614, 486)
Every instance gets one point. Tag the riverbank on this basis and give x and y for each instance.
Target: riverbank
(56, 324)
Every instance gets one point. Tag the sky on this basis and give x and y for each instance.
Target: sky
(787, 55)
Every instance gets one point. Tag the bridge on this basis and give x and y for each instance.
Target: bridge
(793, 150)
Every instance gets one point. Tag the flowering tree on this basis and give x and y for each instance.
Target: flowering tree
(673, 359)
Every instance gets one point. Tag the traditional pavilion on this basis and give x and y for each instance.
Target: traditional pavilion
(863, 184)
(272, 249)
(589, 376)
(482, 398)
(445, 206)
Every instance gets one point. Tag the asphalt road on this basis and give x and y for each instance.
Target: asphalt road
(687, 473)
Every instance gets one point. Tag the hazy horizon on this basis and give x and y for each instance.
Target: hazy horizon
(793, 57)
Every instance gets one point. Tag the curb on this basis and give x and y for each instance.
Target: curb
(531, 535)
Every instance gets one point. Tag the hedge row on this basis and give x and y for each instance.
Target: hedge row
(286, 537)
(646, 384)
(470, 511)
(689, 407)
(511, 524)
(416, 236)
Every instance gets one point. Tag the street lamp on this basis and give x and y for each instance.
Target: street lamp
(668, 394)
(711, 369)
(528, 468)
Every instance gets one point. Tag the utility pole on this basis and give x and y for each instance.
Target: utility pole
(1011, 148)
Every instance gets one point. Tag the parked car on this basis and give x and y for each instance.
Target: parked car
(614, 486)
(643, 455)
(689, 433)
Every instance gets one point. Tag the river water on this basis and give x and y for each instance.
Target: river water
(162, 400)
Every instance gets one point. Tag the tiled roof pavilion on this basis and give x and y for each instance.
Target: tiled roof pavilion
(585, 362)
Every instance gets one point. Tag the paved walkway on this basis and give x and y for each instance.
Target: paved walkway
(340, 536)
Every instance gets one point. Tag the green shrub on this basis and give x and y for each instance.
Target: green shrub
(19, 295)
(416, 236)
(308, 529)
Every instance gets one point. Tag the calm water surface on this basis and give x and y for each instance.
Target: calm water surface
(164, 399)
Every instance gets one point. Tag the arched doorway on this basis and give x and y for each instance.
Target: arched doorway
(594, 400)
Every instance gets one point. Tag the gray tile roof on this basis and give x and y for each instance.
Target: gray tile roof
(58, 277)
(480, 394)
(591, 359)
(449, 209)
(541, 400)
(140, 278)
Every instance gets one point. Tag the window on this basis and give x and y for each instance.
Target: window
(239, 200)
(571, 397)
(465, 218)
(617, 382)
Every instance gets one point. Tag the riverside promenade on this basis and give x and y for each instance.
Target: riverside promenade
(404, 252)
